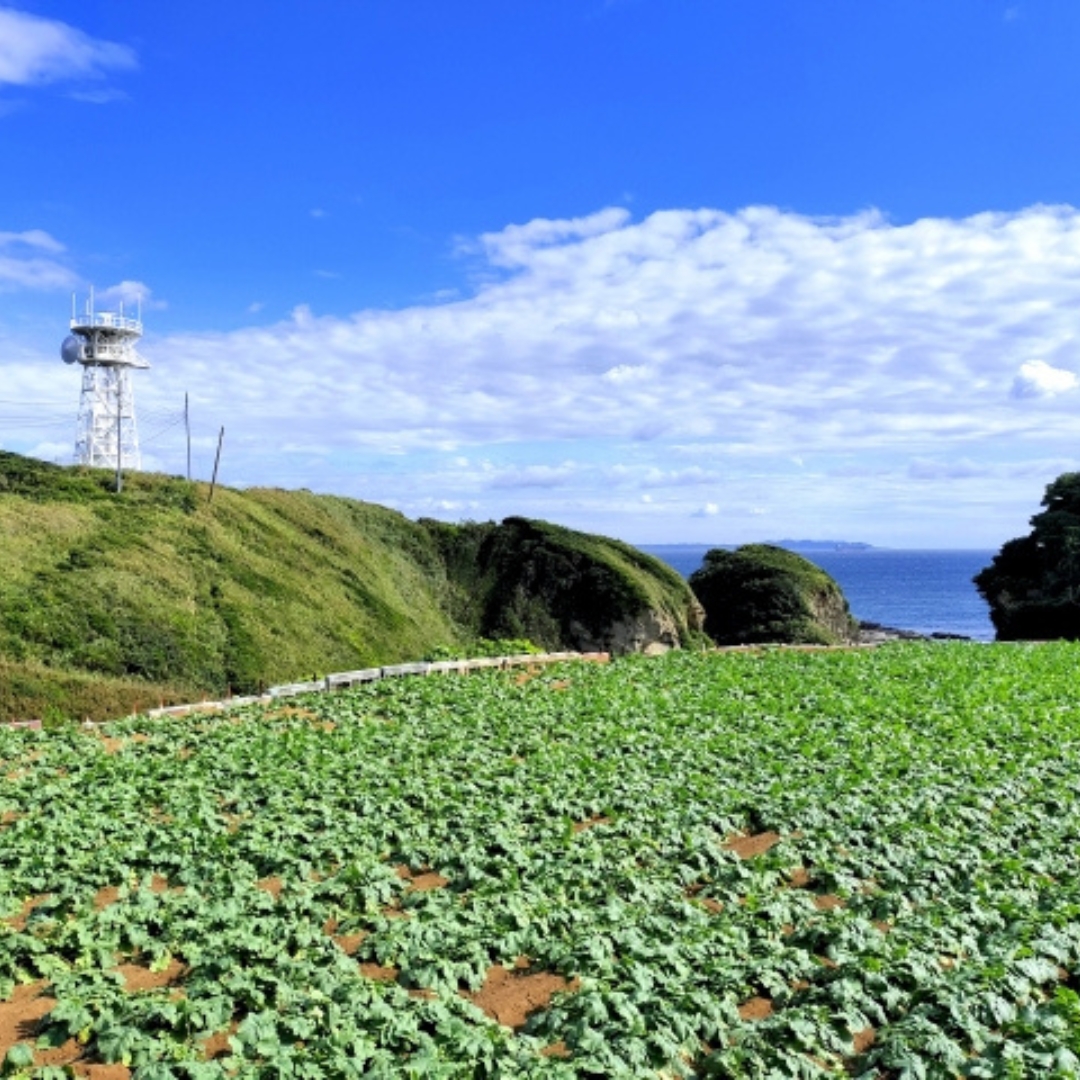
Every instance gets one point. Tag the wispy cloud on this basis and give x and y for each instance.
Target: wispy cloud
(35, 50)
(30, 260)
(104, 96)
(522, 245)
(130, 292)
(31, 238)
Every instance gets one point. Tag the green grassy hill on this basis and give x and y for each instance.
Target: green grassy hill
(110, 602)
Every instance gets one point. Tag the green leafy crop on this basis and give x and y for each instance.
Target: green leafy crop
(326, 886)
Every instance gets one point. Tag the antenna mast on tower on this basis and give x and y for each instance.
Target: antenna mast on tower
(104, 343)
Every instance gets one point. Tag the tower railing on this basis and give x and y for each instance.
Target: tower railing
(106, 320)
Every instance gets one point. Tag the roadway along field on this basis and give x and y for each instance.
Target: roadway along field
(860, 863)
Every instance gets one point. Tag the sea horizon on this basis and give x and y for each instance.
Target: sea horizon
(925, 590)
(853, 545)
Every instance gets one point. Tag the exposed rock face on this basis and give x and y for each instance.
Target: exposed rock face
(564, 589)
(829, 609)
(652, 632)
(872, 633)
(761, 593)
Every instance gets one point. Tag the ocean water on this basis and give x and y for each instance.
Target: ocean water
(926, 591)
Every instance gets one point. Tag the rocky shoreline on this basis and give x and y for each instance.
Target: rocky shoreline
(872, 633)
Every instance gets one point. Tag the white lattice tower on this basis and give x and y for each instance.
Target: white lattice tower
(104, 343)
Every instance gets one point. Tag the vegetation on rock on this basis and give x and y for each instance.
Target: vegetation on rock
(1033, 583)
(760, 593)
(158, 594)
(531, 579)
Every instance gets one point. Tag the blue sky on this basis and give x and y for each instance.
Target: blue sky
(700, 270)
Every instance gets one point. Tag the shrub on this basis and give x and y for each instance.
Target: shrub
(1033, 583)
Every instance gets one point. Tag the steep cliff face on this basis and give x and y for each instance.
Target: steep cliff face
(564, 589)
(761, 593)
(829, 610)
(652, 632)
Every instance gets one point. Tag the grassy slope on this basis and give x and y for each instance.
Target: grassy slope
(158, 586)
(159, 595)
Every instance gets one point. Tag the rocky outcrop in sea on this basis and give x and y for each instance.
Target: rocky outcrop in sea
(872, 633)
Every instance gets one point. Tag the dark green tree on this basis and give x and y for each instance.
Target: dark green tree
(1033, 583)
(760, 593)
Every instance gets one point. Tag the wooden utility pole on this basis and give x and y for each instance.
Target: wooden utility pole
(187, 428)
(217, 461)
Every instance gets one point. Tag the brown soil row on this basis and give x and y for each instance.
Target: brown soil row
(20, 1017)
(422, 880)
(590, 823)
(747, 847)
(761, 1008)
(511, 996)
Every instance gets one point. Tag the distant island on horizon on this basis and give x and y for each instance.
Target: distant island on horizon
(791, 545)
(821, 545)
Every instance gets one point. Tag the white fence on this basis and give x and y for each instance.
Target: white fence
(342, 680)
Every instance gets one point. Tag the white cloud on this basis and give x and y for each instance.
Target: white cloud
(32, 238)
(104, 96)
(544, 476)
(761, 329)
(131, 293)
(518, 245)
(845, 373)
(1036, 378)
(934, 469)
(35, 50)
(623, 373)
(27, 261)
(60, 453)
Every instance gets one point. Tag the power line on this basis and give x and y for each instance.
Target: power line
(158, 432)
(28, 425)
(161, 426)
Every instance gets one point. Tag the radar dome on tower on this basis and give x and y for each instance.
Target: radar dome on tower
(72, 350)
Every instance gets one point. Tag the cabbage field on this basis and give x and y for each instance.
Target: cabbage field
(779, 863)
